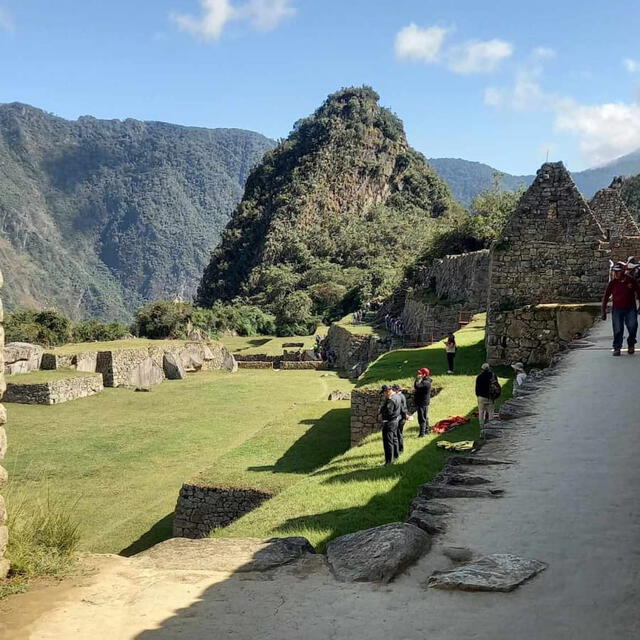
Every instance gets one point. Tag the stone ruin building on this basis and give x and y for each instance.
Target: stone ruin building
(4, 532)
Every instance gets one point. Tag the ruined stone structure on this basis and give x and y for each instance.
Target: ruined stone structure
(201, 509)
(552, 250)
(4, 531)
(611, 212)
(21, 357)
(55, 391)
(85, 361)
(353, 350)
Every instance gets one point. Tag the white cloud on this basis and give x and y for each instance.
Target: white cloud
(604, 131)
(416, 43)
(6, 20)
(631, 65)
(544, 53)
(478, 57)
(263, 15)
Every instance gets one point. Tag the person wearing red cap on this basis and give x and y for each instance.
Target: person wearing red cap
(624, 290)
(422, 397)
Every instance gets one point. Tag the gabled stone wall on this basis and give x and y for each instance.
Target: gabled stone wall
(353, 349)
(611, 212)
(552, 250)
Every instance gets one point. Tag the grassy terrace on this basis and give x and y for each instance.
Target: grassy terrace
(363, 329)
(353, 490)
(111, 345)
(40, 377)
(118, 459)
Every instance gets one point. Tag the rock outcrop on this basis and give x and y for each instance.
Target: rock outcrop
(21, 357)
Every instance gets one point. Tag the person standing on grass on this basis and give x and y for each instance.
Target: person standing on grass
(404, 414)
(484, 394)
(422, 398)
(624, 290)
(450, 348)
(390, 411)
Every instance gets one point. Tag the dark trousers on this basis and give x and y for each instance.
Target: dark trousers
(423, 418)
(390, 440)
(620, 318)
(401, 435)
(450, 358)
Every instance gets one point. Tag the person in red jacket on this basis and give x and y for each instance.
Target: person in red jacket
(624, 290)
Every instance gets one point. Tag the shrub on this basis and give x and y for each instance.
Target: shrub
(47, 328)
(43, 538)
(162, 319)
(96, 331)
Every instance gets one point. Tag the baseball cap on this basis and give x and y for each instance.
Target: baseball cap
(395, 387)
(384, 387)
(617, 267)
(424, 371)
(486, 366)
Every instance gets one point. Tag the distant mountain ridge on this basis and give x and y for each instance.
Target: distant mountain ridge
(467, 179)
(99, 216)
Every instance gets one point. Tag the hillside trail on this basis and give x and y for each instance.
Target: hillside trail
(571, 500)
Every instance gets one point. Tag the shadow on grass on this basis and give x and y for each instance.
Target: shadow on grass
(327, 438)
(160, 531)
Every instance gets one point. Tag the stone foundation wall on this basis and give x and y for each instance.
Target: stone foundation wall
(85, 361)
(352, 349)
(429, 322)
(56, 391)
(256, 357)
(535, 334)
(309, 364)
(4, 531)
(201, 509)
(364, 412)
(253, 364)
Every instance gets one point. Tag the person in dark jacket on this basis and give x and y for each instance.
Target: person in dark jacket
(624, 290)
(390, 411)
(483, 394)
(404, 414)
(422, 397)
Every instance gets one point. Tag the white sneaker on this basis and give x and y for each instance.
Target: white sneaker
(449, 371)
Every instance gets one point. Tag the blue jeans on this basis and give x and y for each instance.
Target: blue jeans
(620, 318)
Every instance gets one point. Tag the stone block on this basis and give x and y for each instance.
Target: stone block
(146, 375)
(3, 442)
(173, 368)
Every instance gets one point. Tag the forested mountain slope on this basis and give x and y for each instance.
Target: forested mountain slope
(98, 216)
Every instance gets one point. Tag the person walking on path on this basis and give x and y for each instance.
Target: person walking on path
(521, 376)
(450, 348)
(624, 291)
(422, 398)
(390, 412)
(404, 415)
(484, 394)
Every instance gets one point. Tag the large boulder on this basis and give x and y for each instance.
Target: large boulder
(192, 358)
(21, 357)
(145, 375)
(225, 554)
(173, 368)
(378, 554)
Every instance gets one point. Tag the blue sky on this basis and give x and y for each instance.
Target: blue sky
(498, 82)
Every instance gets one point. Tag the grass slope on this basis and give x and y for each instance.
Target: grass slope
(354, 491)
(119, 458)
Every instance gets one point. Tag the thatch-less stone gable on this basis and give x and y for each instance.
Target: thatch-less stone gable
(611, 212)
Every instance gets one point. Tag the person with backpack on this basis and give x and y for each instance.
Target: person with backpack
(487, 392)
(422, 398)
(404, 415)
(450, 348)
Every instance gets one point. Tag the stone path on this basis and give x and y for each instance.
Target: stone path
(571, 501)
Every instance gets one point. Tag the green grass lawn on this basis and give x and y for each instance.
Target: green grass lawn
(269, 345)
(119, 458)
(110, 345)
(354, 491)
(40, 377)
(362, 329)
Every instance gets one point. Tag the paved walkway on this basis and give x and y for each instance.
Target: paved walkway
(571, 501)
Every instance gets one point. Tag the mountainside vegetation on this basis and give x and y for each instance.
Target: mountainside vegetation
(330, 217)
(98, 217)
(468, 179)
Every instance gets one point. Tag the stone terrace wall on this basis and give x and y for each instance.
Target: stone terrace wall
(201, 509)
(352, 349)
(85, 361)
(116, 366)
(56, 391)
(535, 334)
(4, 531)
(254, 364)
(425, 320)
(309, 364)
(611, 212)
(550, 251)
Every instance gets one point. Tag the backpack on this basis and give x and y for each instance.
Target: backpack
(494, 389)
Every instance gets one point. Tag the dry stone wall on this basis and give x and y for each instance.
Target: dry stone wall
(623, 248)
(254, 364)
(611, 212)
(85, 361)
(352, 350)
(200, 510)
(4, 531)
(552, 250)
(56, 391)
(21, 357)
(536, 334)
(308, 364)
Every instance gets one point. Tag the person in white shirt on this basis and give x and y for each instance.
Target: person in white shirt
(521, 376)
